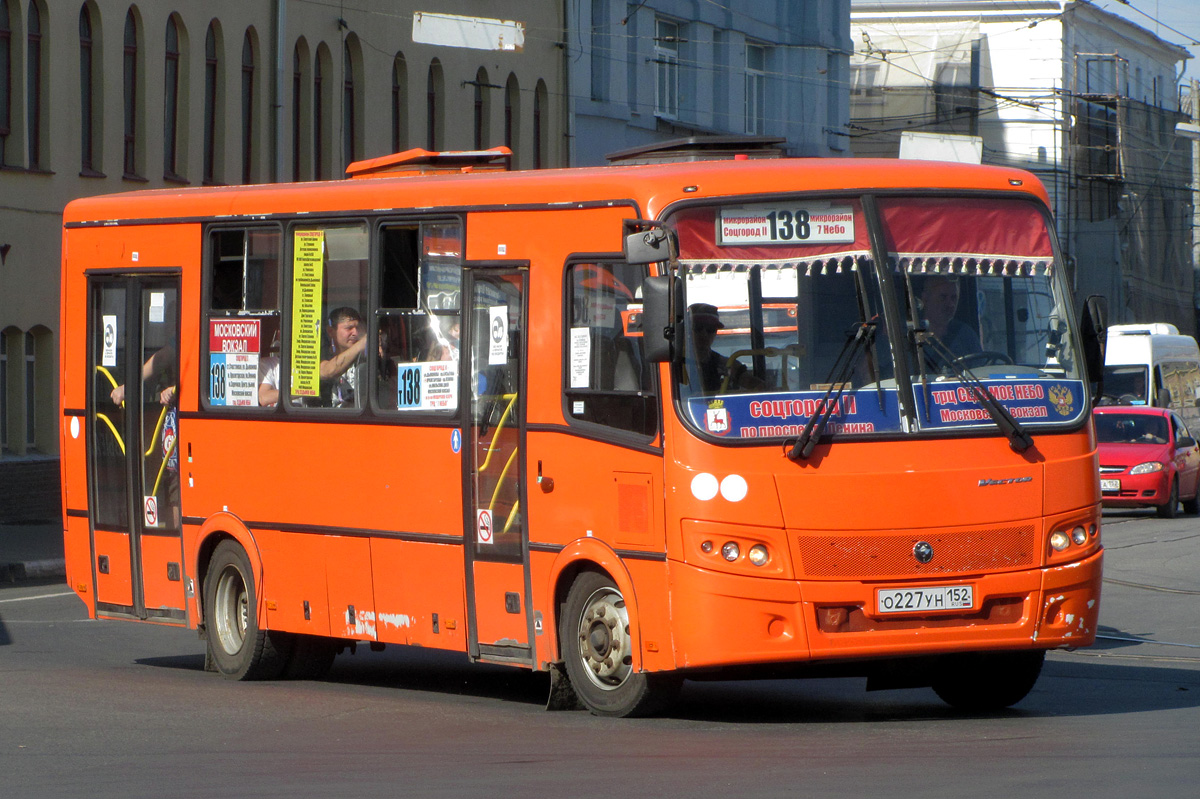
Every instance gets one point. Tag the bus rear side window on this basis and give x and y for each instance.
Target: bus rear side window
(242, 318)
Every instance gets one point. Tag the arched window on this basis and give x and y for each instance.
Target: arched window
(30, 391)
(298, 84)
(131, 95)
(512, 118)
(399, 104)
(483, 109)
(87, 87)
(434, 90)
(5, 75)
(33, 74)
(171, 100)
(212, 103)
(349, 154)
(247, 109)
(539, 125)
(320, 111)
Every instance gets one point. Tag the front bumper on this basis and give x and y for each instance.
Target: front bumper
(730, 620)
(1137, 490)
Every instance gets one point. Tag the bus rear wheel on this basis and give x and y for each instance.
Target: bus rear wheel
(597, 646)
(985, 682)
(236, 645)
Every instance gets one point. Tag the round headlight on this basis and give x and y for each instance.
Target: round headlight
(730, 551)
(1059, 540)
(1079, 536)
(758, 555)
(706, 547)
(1147, 468)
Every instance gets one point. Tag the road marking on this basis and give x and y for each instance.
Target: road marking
(43, 596)
(1133, 640)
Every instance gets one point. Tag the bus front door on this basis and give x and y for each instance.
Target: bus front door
(132, 430)
(499, 620)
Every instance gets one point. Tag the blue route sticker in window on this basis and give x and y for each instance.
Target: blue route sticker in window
(430, 386)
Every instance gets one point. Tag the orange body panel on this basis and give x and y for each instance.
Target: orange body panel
(356, 530)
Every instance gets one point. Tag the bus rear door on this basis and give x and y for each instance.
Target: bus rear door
(132, 435)
(497, 542)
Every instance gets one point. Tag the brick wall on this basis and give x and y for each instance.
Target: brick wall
(29, 491)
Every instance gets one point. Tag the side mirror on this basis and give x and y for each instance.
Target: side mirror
(1164, 398)
(1094, 329)
(1185, 442)
(649, 245)
(661, 297)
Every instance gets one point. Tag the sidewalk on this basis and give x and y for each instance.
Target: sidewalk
(31, 551)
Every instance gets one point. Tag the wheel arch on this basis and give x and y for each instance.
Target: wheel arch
(225, 526)
(590, 554)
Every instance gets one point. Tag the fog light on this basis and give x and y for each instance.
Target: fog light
(1079, 536)
(1092, 530)
(706, 547)
(1059, 540)
(730, 551)
(758, 555)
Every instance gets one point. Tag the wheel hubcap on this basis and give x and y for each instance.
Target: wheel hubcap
(232, 611)
(604, 639)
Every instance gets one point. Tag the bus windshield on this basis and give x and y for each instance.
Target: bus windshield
(786, 316)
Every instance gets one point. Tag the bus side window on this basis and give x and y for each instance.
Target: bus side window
(417, 310)
(242, 318)
(606, 379)
(327, 365)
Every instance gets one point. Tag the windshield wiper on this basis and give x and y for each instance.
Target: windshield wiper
(839, 378)
(1018, 438)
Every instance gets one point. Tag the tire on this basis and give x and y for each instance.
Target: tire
(1170, 508)
(597, 647)
(1192, 506)
(312, 657)
(237, 647)
(985, 682)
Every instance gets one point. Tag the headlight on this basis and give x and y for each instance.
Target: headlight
(1147, 468)
(731, 551)
(1060, 540)
(1079, 536)
(758, 555)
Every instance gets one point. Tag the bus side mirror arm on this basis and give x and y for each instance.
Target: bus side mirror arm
(1095, 340)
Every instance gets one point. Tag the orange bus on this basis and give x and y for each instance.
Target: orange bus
(629, 425)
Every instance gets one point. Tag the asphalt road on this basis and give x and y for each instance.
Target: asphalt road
(113, 709)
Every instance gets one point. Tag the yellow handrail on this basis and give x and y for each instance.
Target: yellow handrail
(113, 428)
(500, 480)
(512, 399)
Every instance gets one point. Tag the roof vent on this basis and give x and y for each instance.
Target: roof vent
(702, 148)
(428, 162)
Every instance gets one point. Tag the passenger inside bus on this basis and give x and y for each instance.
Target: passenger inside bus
(268, 376)
(341, 371)
(717, 373)
(937, 301)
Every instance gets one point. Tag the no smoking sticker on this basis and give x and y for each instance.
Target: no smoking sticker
(483, 527)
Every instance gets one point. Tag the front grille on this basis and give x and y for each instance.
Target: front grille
(1112, 469)
(890, 554)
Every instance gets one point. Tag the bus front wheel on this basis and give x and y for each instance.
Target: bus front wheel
(236, 645)
(597, 647)
(985, 682)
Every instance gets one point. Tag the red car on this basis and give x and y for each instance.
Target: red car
(1147, 458)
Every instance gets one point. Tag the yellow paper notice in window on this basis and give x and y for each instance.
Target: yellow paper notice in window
(308, 273)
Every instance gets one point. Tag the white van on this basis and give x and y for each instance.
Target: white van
(1152, 364)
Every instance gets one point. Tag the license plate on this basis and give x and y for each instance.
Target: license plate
(916, 600)
(1110, 485)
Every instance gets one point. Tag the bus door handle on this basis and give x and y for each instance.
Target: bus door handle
(545, 483)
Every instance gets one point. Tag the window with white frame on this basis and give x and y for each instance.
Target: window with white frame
(756, 88)
(666, 63)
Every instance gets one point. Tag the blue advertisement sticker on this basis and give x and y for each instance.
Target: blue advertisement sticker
(953, 404)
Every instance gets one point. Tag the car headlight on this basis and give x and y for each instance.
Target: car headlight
(1147, 468)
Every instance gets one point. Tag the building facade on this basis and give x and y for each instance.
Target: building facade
(1083, 98)
(103, 96)
(642, 73)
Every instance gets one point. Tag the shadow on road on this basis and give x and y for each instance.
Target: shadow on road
(1088, 686)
